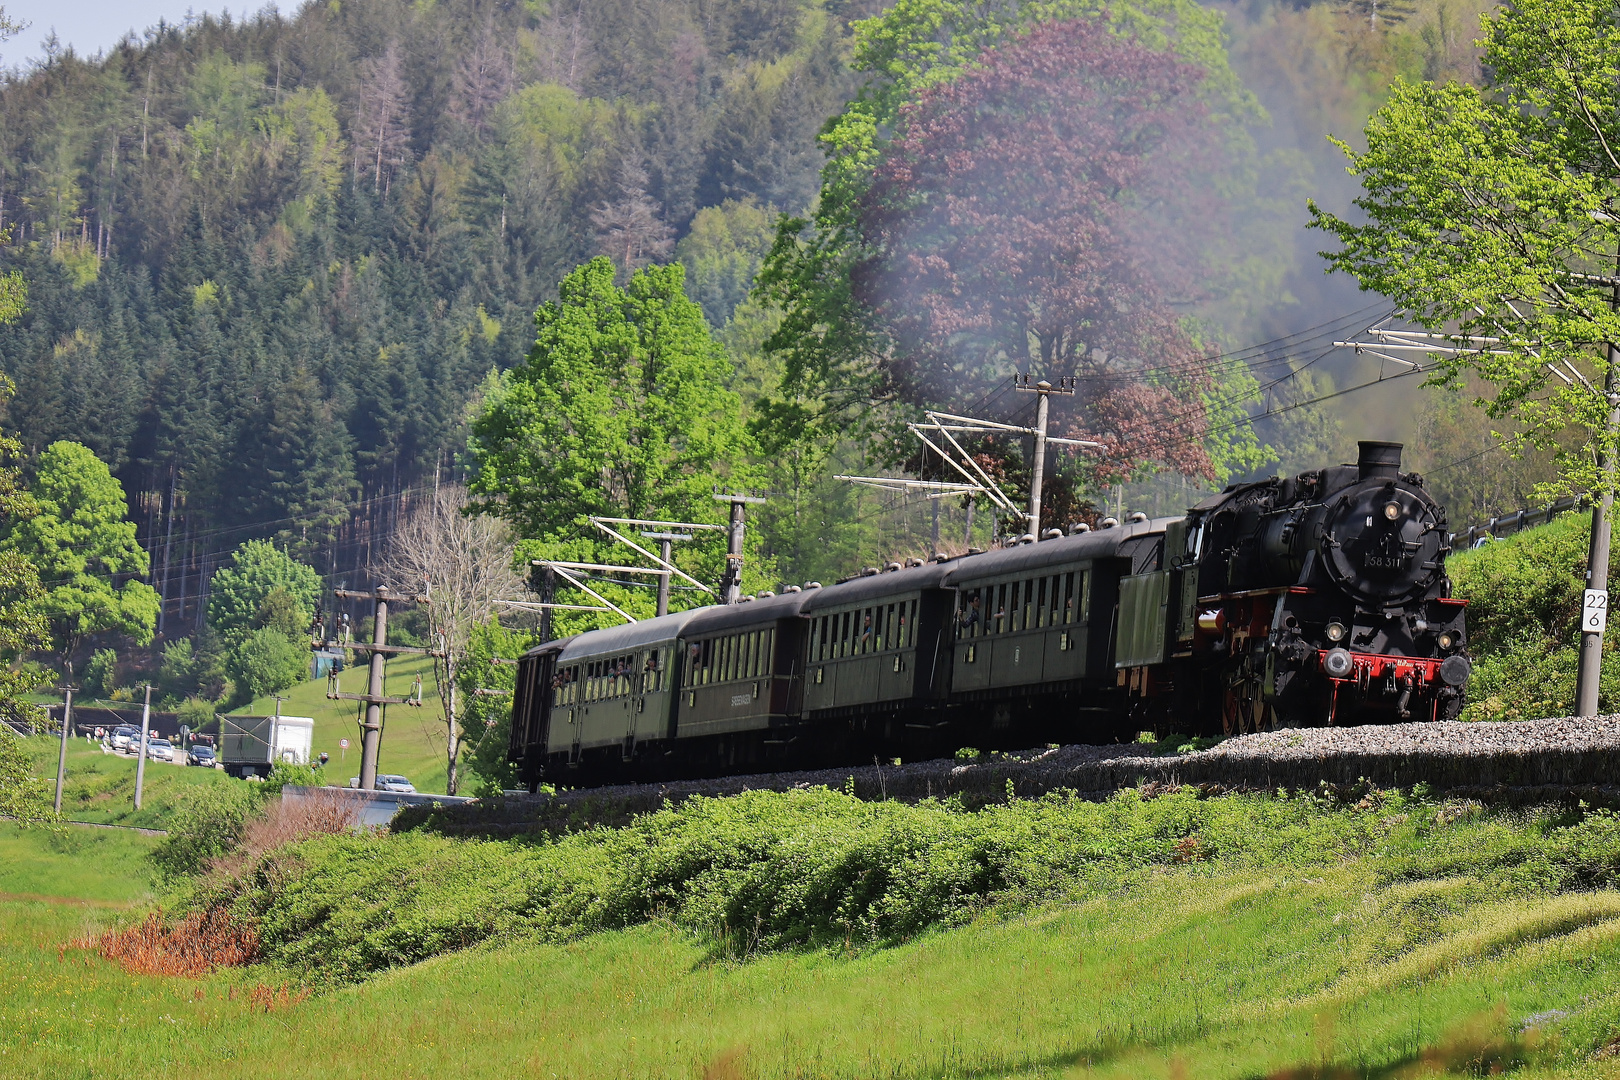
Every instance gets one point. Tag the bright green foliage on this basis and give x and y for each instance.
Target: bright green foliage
(767, 870)
(1524, 602)
(622, 410)
(239, 593)
(207, 824)
(722, 253)
(81, 543)
(1485, 206)
(24, 796)
(487, 722)
(196, 713)
(22, 628)
(13, 297)
(100, 674)
(264, 662)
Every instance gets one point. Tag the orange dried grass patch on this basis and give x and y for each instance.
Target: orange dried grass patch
(194, 946)
(286, 820)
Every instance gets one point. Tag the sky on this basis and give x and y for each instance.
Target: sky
(92, 26)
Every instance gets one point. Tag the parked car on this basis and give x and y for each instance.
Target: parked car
(201, 755)
(160, 749)
(388, 782)
(124, 735)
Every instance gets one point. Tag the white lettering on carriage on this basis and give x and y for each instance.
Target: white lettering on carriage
(741, 699)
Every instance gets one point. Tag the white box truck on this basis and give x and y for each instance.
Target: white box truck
(250, 745)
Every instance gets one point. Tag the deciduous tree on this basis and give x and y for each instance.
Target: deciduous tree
(1066, 264)
(462, 563)
(1493, 216)
(845, 326)
(621, 409)
(85, 551)
(239, 595)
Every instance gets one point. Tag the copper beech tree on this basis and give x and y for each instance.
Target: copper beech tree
(1045, 211)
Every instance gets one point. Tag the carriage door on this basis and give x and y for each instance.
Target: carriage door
(583, 687)
(635, 697)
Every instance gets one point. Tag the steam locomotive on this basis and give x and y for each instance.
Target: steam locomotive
(1316, 599)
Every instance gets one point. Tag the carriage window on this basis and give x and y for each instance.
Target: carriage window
(820, 638)
(973, 615)
(846, 636)
(887, 640)
(1040, 604)
(768, 653)
(1029, 604)
(728, 666)
(866, 630)
(753, 654)
(1015, 608)
(1082, 596)
(1000, 606)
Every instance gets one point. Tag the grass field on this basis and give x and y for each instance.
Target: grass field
(1346, 969)
(413, 737)
(1189, 976)
(101, 787)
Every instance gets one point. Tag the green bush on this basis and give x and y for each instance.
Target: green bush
(1524, 600)
(196, 713)
(190, 668)
(265, 662)
(768, 870)
(100, 674)
(238, 593)
(208, 823)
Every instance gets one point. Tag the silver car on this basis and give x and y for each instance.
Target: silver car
(160, 749)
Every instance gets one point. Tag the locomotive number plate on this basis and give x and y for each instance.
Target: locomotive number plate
(1595, 611)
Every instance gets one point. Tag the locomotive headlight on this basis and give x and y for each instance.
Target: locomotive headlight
(1336, 631)
(1392, 510)
(1446, 640)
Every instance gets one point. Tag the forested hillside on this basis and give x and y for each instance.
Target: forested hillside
(269, 261)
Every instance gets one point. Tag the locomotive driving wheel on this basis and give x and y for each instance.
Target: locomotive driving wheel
(1244, 710)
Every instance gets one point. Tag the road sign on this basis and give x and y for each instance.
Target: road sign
(343, 744)
(1595, 611)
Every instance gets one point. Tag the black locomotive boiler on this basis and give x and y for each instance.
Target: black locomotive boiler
(1317, 599)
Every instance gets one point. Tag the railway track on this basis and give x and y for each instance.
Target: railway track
(1556, 759)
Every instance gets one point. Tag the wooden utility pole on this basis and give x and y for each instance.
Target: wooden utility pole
(61, 757)
(371, 728)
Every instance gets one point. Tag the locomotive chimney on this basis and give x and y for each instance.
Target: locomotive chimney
(1379, 460)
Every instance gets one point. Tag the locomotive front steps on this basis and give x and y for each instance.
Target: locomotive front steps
(1530, 761)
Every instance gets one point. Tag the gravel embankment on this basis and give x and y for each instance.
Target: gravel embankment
(1537, 759)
